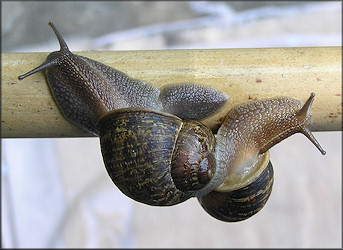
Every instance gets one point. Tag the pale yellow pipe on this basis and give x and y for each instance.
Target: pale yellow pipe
(28, 109)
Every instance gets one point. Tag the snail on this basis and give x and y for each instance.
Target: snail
(154, 146)
(243, 140)
(90, 95)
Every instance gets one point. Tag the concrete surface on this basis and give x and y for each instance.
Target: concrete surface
(56, 192)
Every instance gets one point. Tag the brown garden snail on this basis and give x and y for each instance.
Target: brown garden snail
(243, 140)
(156, 151)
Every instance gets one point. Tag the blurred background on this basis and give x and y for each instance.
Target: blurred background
(56, 192)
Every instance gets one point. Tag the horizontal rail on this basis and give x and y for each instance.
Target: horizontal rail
(29, 111)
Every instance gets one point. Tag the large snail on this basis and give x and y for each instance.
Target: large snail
(155, 149)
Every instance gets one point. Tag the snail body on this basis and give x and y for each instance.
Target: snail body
(85, 89)
(154, 147)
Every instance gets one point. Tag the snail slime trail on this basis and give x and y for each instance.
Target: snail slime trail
(154, 146)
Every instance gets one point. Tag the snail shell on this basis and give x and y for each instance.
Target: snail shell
(242, 203)
(140, 148)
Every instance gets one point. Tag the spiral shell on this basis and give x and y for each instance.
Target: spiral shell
(193, 161)
(137, 147)
(248, 197)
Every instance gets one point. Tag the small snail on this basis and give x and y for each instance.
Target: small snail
(155, 149)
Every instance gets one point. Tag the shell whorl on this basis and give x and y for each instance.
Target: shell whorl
(193, 161)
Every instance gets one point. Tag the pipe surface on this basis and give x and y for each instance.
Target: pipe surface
(29, 111)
